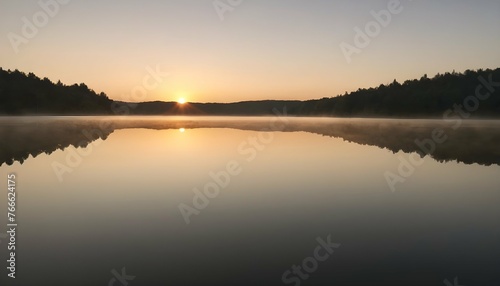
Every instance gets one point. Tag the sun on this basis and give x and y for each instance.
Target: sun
(181, 100)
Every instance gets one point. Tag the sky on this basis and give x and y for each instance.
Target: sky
(237, 50)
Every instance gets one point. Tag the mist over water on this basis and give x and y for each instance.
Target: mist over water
(101, 193)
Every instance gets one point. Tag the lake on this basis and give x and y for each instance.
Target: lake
(252, 201)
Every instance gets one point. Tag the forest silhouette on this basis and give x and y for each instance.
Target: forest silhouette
(27, 94)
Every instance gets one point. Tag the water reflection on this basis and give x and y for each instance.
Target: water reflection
(473, 142)
(121, 207)
(23, 137)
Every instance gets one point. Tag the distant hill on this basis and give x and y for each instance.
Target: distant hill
(23, 94)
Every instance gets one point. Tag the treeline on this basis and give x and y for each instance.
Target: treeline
(22, 93)
(416, 98)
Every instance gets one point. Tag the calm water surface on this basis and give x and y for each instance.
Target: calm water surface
(98, 194)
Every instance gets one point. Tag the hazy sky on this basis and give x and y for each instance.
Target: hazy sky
(280, 49)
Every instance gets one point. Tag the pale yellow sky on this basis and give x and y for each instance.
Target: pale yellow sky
(287, 49)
